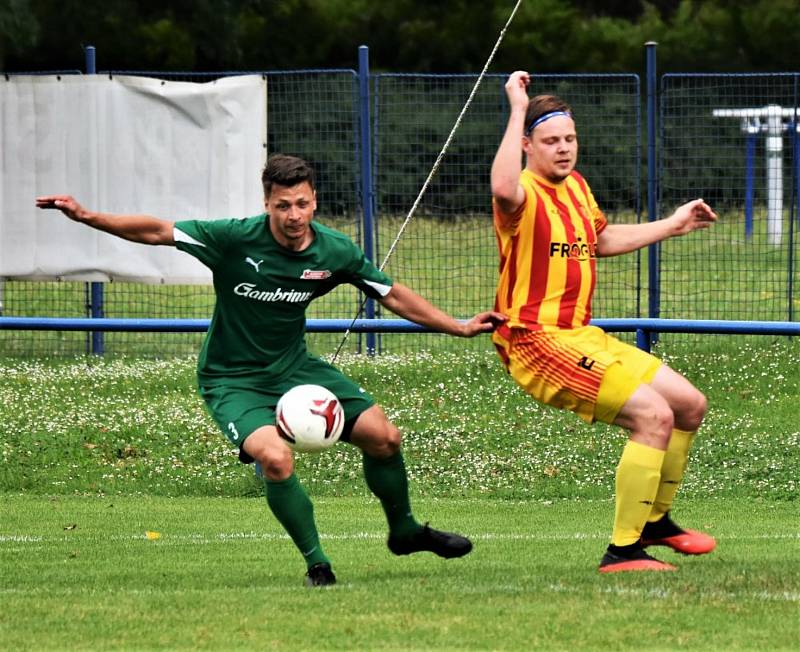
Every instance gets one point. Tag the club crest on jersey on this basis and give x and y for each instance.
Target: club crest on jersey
(315, 274)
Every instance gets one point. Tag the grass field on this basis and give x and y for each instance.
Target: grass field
(94, 454)
(126, 426)
(80, 573)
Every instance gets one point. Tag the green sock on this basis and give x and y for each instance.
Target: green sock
(386, 478)
(290, 503)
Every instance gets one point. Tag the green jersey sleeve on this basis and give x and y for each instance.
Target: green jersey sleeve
(208, 241)
(352, 267)
(361, 272)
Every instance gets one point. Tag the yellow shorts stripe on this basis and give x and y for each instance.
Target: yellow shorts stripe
(584, 370)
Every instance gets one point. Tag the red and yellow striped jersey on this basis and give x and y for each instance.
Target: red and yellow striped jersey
(547, 255)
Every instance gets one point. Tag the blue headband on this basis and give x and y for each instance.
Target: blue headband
(544, 117)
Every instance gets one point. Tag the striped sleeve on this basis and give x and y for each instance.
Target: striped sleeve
(509, 222)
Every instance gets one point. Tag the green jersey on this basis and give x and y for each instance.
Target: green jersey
(257, 332)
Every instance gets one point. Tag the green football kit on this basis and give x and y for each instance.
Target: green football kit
(255, 351)
(255, 347)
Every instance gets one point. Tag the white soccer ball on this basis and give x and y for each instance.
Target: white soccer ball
(309, 418)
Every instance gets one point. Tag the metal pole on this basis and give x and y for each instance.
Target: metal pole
(749, 186)
(367, 196)
(96, 289)
(643, 338)
(653, 263)
(774, 154)
(793, 206)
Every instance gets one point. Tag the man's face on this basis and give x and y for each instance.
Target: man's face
(552, 148)
(291, 209)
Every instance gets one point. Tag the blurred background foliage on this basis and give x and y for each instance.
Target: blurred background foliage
(403, 35)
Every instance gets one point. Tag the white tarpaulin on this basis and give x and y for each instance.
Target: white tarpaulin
(177, 150)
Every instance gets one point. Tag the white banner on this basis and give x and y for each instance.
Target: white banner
(177, 150)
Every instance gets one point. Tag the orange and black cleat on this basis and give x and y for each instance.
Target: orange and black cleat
(620, 559)
(665, 532)
(688, 542)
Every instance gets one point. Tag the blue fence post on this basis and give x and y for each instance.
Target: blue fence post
(794, 211)
(653, 263)
(367, 195)
(96, 289)
(643, 338)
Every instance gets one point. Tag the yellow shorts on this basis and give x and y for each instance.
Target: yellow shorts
(584, 369)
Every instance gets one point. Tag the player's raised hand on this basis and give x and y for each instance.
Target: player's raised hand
(693, 215)
(65, 203)
(517, 89)
(484, 322)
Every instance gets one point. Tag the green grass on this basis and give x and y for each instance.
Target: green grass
(80, 574)
(124, 426)
(94, 453)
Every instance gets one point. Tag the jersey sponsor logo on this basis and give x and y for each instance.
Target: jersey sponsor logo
(315, 274)
(250, 291)
(252, 262)
(577, 250)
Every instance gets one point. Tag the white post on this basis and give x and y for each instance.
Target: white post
(774, 163)
(774, 128)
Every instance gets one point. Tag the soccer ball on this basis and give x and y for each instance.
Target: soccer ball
(309, 418)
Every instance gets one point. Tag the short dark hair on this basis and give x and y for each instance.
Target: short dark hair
(541, 105)
(285, 170)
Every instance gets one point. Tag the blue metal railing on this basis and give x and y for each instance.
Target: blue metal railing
(643, 327)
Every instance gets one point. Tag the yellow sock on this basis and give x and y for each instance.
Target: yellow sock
(638, 477)
(675, 460)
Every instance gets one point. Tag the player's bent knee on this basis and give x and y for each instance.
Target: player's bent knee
(374, 434)
(665, 421)
(692, 413)
(655, 424)
(276, 468)
(384, 443)
(393, 439)
(273, 456)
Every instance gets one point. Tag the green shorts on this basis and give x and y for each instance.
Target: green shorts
(239, 409)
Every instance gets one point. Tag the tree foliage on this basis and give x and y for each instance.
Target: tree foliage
(19, 29)
(403, 35)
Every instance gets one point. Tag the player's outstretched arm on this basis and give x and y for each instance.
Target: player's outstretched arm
(137, 228)
(507, 164)
(618, 239)
(403, 301)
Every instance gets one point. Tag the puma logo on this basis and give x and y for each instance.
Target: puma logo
(253, 263)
